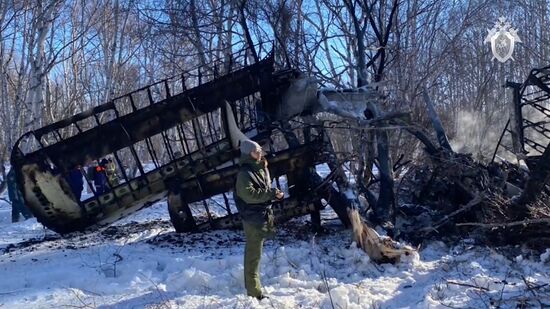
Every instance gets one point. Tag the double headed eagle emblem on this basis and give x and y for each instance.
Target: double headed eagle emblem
(502, 38)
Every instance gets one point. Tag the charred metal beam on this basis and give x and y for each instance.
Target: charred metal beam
(536, 146)
(540, 108)
(533, 79)
(184, 175)
(66, 216)
(223, 180)
(500, 140)
(153, 119)
(534, 98)
(539, 126)
(282, 211)
(516, 118)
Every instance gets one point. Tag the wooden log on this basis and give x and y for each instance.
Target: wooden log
(380, 249)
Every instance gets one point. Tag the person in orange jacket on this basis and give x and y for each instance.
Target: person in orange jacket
(100, 177)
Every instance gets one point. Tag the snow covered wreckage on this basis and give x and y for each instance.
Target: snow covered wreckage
(188, 126)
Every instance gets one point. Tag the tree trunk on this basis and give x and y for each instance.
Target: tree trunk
(44, 17)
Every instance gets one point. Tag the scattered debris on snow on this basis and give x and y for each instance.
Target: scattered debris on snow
(141, 263)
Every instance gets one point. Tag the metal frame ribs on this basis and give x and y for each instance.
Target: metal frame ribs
(167, 140)
(527, 132)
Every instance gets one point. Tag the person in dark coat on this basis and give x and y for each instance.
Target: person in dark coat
(253, 198)
(18, 206)
(76, 182)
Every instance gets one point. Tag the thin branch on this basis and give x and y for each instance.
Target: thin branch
(468, 285)
(509, 224)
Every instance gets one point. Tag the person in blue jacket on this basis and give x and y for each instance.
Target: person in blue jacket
(18, 207)
(76, 182)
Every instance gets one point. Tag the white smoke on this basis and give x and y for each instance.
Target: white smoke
(476, 134)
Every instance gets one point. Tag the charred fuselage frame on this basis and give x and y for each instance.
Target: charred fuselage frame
(195, 167)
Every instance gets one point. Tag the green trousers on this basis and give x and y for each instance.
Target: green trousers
(255, 235)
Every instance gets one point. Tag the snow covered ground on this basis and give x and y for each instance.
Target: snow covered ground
(141, 263)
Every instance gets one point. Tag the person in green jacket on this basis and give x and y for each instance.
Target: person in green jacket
(253, 198)
(16, 199)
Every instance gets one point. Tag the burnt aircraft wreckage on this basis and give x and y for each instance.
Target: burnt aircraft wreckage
(178, 139)
(170, 140)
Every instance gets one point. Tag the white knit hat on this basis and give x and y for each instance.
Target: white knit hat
(247, 146)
